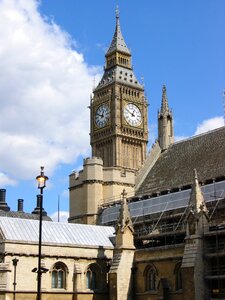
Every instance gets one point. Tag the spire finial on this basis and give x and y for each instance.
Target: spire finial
(195, 174)
(117, 12)
(164, 105)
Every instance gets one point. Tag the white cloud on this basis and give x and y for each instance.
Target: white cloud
(209, 124)
(5, 180)
(63, 216)
(44, 92)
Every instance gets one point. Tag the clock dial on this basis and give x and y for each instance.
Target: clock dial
(102, 115)
(132, 115)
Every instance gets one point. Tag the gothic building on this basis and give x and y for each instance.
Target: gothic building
(152, 224)
(175, 193)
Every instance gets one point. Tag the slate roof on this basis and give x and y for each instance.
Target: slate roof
(118, 42)
(121, 75)
(24, 230)
(174, 167)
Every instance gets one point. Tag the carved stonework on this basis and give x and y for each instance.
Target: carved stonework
(118, 108)
(4, 276)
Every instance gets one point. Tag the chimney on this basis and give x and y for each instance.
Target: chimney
(36, 211)
(3, 204)
(20, 205)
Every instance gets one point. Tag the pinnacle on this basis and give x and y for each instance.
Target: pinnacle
(196, 199)
(124, 219)
(164, 105)
(118, 43)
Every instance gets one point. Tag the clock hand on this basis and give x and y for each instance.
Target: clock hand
(129, 112)
(100, 115)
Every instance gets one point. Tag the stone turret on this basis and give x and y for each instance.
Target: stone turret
(120, 274)
(165, 123)
(193, 260)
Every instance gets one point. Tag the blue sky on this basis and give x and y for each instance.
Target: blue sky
(50, 54)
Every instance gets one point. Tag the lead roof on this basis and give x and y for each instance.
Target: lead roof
(24, 230)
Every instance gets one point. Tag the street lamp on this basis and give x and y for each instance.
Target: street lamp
(41, 179)
(15, 261)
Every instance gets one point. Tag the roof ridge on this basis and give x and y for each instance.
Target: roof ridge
(199, 135)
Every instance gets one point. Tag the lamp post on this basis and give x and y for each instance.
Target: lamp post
(15, 261)
(41, 179)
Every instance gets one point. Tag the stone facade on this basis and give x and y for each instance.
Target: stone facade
(74, 261)
(95, 186)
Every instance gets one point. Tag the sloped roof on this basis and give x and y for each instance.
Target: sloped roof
(120, 75)
(24, 230)
(118, 42)
(174, 167)
(22, 215)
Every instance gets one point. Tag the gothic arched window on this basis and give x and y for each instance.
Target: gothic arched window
(92, 280)
(178, 277)
(150, 278)
(59, 276)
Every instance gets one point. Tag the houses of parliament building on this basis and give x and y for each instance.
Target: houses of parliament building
(142, 226)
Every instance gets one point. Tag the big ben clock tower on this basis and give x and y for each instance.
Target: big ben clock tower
(119, 110)
(118, 137)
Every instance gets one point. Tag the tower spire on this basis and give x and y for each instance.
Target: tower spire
(118, 43)
(164, 104)
(165, 123)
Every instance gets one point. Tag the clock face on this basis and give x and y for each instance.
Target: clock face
(132, 115)
(102, 115)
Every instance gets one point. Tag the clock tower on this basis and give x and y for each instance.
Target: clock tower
(119, 133)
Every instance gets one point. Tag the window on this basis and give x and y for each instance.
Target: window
(150, 278)
(59, 276)
(178, 277)
(92, 281)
